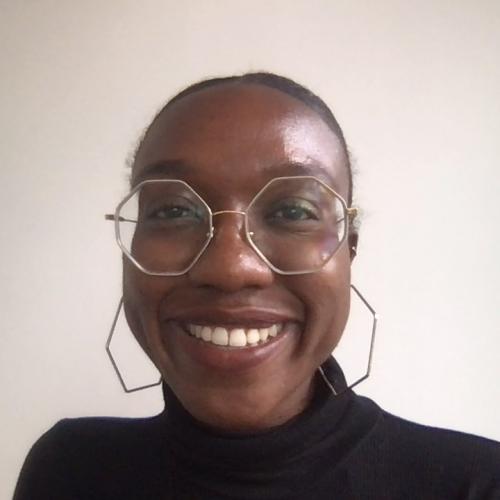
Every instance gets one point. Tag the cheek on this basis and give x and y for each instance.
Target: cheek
(141, 298)
(333, 312)
(337, 297)
(328, 304)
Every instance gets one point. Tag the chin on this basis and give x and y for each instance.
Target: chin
(240, 408)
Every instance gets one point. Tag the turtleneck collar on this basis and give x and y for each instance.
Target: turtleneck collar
(268, 464)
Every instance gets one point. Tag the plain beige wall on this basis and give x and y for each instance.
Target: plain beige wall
(415, 86)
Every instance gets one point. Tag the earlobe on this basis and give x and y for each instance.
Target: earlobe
(352, 241)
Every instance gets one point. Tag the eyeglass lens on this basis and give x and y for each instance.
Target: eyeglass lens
(295, 224)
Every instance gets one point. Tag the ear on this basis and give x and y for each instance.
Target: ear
(352, 241)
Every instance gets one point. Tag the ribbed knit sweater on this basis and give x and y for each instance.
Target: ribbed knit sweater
(342, 447)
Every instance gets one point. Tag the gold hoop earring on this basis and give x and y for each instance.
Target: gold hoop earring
(127, 389)
(370, 352)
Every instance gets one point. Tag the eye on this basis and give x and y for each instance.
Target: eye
(168, 212)
(293, 211)
(173, 212)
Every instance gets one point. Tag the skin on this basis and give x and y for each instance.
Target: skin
(235, 138)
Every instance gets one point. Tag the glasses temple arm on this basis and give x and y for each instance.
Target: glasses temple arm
(119, 219)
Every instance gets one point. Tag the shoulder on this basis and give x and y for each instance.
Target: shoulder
(99, 434)
(86, 451)
(107, 428)
(92, 441)
(439, 461)
(459, 448)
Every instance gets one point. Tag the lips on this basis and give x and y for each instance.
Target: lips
(230, 339)
(226, 358)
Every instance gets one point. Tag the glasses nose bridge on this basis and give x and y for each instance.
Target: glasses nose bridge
(236, 212)
(244, 234)
(220, 212)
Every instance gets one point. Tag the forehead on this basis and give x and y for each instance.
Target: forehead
(242, 136)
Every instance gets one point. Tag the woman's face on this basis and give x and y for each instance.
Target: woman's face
(227, 142)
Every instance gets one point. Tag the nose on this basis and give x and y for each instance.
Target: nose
(229, 263)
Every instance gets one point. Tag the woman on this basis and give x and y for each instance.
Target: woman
(238, 240)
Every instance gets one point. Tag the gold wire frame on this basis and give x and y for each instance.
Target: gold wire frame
(367, 373)
(127, 389)
(349, 215)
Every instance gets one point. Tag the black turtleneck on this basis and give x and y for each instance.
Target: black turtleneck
(342, 447)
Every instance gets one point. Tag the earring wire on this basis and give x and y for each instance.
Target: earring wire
(329, 384)
(127, 389)
(370, 354)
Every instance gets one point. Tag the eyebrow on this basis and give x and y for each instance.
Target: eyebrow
(309, 167)
(176, 168)
(164, 168)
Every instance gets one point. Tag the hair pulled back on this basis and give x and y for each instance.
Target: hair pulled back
(283, 84)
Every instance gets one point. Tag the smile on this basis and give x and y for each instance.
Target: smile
(234, 337)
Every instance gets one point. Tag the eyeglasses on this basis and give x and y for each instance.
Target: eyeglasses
(294, 224)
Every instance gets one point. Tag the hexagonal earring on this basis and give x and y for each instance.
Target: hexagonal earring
(370, 353)
(127, 389)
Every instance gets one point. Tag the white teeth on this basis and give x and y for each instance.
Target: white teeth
(206, 334)
(253, 336)
(237, 337)
(273, 331)
(220, 336)
(264, 333)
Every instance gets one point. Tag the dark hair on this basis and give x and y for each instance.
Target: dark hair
(283, 84)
